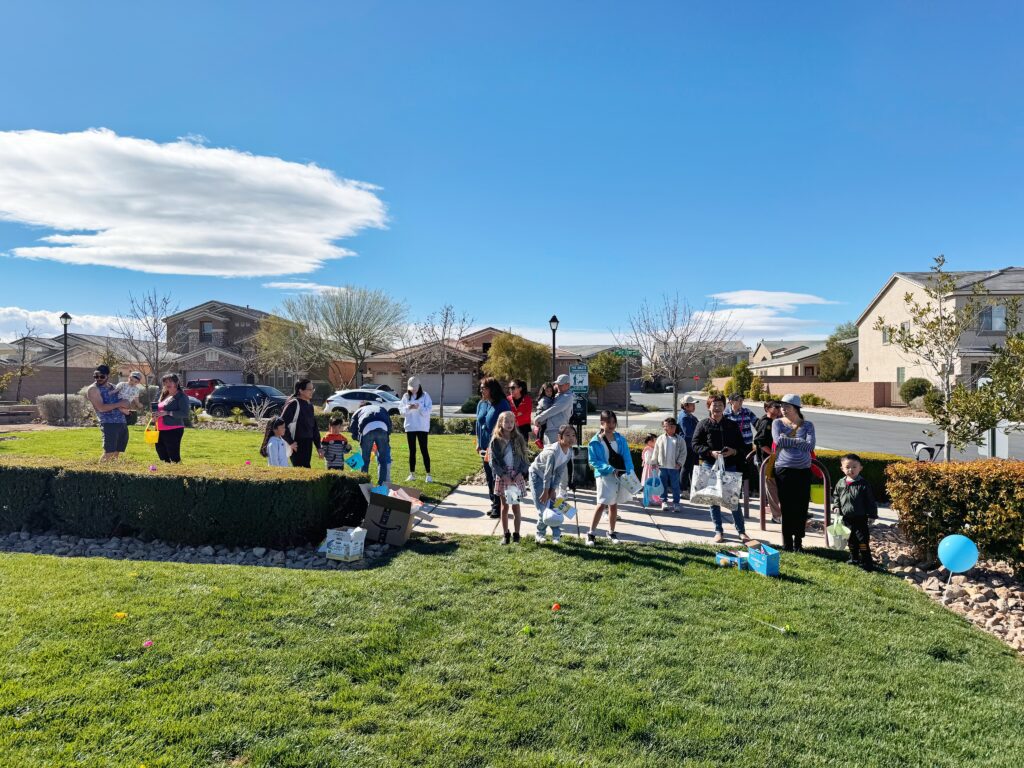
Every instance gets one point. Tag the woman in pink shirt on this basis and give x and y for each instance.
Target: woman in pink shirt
(172, 413)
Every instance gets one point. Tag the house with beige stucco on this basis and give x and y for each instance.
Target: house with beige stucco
(793, 357)
(881, 360)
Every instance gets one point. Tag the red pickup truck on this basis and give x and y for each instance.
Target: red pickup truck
(200, 388)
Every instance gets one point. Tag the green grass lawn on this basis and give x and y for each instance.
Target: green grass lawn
(654, 660)
(452, 456)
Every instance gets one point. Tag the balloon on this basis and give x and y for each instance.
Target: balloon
(958, 553)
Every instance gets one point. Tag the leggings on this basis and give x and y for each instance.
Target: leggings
(794, 486)
(303, 454)
(168, 445)
(413, 437)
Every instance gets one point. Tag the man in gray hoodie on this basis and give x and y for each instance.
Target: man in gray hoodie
(558, 413)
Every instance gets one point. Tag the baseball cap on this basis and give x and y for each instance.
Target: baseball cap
(104, 369)
(793, 400)
(563, 379)
(735, 396)
(136, 375)
(414, 382)
(689, 400)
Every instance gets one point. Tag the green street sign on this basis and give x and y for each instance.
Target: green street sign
(621, 352)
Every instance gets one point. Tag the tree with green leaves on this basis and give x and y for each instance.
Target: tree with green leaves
(603, 369)
(513, 357)
(932, 337)
(847, 330)
(742, 377)
(834, 361)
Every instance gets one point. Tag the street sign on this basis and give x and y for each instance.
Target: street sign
(579, 378)
(579, 408)
(624, 352)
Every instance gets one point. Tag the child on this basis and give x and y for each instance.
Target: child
(650, 467)
(608, 455)
(274, 446)
(509, 465)
(854, 500)
(670, 455)
(545, 399)
(131, 389)
(335, 445)
(549, 478)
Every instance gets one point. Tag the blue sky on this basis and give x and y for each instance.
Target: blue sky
(526, 158)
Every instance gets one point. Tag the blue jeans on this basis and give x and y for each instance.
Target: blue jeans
(380, 438)
(536, 488)
(737, 514)
(670, 479)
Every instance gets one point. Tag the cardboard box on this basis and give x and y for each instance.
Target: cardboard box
(764, 560)
(390, 520)
(345, 544)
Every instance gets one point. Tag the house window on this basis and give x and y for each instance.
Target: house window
(901, 376)
(905, 326)
(205, 333)
(487, 347)
(809, 370)
(885, 337)
(993, 319)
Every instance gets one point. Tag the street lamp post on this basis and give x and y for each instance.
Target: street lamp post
(553, 324)
(65, 320)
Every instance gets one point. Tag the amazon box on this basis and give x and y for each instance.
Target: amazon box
(390, 517)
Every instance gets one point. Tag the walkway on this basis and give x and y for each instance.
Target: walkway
(465, 511)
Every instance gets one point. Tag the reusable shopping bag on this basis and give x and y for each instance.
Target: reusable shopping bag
(716, 487)
(653, 491)
(838, 534)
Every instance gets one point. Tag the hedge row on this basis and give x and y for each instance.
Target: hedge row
(983, 500)
(256, 505)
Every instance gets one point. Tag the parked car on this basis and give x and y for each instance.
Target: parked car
(194, 402)
(223, 399)
(383, 388)
(345, 401)
(201, 388)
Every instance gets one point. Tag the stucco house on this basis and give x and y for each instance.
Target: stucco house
(882, 361)
(793, 358)
(214, 340)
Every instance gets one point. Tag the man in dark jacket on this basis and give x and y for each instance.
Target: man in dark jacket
(688, 424)
(854, 500)
(371, 428)
(718, 436)
(762, 450)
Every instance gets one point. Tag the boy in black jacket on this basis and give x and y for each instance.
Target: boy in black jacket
(854, 500)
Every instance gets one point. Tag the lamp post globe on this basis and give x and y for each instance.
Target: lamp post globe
(553, 324)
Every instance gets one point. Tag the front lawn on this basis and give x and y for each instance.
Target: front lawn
(453, 457)
(450, 655)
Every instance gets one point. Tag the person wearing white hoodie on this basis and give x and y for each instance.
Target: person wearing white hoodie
(416, 406)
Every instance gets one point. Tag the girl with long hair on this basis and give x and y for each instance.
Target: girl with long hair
(509, 462)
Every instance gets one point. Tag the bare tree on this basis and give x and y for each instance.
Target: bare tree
(674, 336)
(352, 322)
(288, 346)
(25, 367)
(439, 332)
(144, 329)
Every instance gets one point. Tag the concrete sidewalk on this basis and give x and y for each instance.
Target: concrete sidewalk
(465, 512)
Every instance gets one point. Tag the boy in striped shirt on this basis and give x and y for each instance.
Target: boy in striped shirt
(335, 445)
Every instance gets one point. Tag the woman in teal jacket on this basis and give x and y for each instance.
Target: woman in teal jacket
(608, 454)
(493, 403)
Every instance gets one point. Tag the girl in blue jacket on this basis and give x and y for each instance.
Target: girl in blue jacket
(608, 454)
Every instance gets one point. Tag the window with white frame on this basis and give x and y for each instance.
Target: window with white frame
(992, 319)
(885, 337)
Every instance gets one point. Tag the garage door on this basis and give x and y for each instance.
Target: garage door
(228, 377)
(457, 387)
(393, 380)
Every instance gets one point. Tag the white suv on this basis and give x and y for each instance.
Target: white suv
(347, 401)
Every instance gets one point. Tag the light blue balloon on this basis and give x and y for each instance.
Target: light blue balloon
(958, 553)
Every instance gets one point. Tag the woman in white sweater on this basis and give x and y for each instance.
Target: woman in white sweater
(416, 406)
(670, 455)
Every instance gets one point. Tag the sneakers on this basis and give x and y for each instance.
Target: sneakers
(539, 537)
(591, 540)
(613, 537)
(506, 539)
(430, 478)
(515, 537)
(666, 507)
(494, 513)
(411, 477)
(719, 538)
(556, 536)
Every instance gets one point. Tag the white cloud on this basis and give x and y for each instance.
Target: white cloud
(47, 322)
(783, 300)
(177, 208)
(303, 287)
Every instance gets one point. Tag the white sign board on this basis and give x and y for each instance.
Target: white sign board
(579, 378)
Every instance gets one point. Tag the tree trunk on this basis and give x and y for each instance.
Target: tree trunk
(441, 404)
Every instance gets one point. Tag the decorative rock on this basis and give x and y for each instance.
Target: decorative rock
(259, 551)
(207, 550)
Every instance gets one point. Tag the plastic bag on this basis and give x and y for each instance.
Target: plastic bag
(838, 534)
(653, 491)
(716, 487)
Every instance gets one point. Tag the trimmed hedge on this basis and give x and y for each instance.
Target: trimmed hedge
(983, 500)
(253, 505)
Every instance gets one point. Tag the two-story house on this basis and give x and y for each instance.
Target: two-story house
(794, 358)
(214, 340)
(880, 360)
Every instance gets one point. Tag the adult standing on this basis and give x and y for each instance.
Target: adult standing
(688, 425)
(111, 412)
(371, 427)
(522, 406)
(763, 443)
(172, 414)
(717, 436)
(559, 413)
(493, 403)
(416, 406)
(301, 431)
(744, 419)
(794, 442)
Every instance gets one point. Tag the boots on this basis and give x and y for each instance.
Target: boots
(798, 544)
(866, 561)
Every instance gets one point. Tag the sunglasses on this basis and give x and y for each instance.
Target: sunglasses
(98, 376)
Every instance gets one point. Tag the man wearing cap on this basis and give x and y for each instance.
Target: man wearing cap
(763, 449)
(111, 412)
(743, 418)
(688, 425)
(559, 412)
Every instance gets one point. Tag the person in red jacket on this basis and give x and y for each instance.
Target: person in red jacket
(522, 406)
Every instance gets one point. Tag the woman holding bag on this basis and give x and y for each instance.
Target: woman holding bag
(718, 437)
(171, 412)
(608, 454)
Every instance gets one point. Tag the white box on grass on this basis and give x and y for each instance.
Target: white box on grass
(344, 544)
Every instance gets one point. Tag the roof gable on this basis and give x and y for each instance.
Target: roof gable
(211, 307)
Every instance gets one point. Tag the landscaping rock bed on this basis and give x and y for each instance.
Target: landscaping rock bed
(52, 543)
(988, 595)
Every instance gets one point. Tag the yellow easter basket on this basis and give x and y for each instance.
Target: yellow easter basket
(151, 435)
